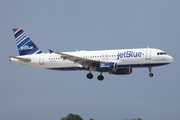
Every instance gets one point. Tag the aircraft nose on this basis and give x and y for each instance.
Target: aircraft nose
(170, 59)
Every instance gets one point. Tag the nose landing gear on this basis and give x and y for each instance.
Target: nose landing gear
(150, 69)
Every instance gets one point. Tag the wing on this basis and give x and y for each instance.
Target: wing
(19, 58)
(83, 61)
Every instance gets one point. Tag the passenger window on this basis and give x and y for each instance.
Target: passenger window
(157, 53)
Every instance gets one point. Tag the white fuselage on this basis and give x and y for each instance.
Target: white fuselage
(125, 58)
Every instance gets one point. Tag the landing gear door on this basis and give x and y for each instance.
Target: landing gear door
(148, 54)
(41, 60)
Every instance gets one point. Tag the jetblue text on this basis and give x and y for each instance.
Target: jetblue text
(128, 54)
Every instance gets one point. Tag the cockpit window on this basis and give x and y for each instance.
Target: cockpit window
(161, 53)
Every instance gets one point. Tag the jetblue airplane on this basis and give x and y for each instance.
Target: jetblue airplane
(116, 62)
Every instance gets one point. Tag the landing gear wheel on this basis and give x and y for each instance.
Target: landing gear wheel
(150, 74)
(89, 75)
(100, 77)
(150, 69)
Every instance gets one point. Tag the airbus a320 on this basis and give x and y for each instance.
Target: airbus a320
(115, 62)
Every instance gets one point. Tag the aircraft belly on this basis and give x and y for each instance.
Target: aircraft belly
(62, 64)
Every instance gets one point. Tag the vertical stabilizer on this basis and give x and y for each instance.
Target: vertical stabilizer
(24, 44)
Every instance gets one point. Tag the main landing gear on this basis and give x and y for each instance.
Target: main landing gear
(150, 69)
(100, 77)
(90, 75)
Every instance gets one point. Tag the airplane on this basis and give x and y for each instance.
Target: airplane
(115, 62)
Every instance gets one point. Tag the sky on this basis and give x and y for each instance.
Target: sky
(28, 93)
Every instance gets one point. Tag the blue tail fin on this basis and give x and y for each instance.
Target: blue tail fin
(24, 44)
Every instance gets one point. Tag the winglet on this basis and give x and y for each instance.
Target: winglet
(50, 51)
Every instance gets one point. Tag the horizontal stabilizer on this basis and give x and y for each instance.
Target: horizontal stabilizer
(19, 58)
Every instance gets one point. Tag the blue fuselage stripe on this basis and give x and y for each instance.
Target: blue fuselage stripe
(119, 66)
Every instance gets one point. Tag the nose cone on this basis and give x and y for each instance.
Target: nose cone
(170, 59)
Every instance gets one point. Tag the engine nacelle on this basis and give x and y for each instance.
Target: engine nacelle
(106, 67)
(122, 71)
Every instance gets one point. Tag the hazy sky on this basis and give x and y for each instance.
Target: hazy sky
(28, 93)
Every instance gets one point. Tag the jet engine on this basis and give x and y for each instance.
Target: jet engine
(122, 71)
(106, 67)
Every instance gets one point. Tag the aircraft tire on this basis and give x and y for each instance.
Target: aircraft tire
(89, 75)
(100, 77)
(151, 75)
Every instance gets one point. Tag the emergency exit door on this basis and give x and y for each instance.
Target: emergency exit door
(148, 54)
(41, 60)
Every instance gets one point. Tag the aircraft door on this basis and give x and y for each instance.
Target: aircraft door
(148, 54)
(41, 60)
